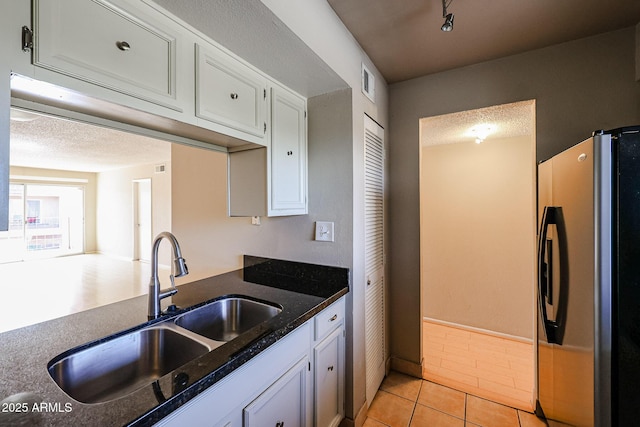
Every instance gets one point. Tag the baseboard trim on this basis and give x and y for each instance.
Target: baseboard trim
(361, 417)
(478, 330)
(406, 367)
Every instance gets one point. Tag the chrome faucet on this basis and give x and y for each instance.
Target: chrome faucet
(179, 269)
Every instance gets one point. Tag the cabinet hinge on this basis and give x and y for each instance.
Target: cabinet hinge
(265, 127)
(27, 39)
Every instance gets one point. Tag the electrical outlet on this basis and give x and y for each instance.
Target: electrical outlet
(255, 220)
(324, 231)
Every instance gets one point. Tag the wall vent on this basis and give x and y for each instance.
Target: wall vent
(160, 168)
(368, 83)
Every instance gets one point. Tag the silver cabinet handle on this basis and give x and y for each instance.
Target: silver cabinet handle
(123, 46)
(234, 95)
(335, 316)
(330, 368)
(280, 424)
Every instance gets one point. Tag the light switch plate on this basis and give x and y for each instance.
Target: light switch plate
(324, 231)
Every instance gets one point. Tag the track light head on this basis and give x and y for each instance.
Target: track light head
(448, 23)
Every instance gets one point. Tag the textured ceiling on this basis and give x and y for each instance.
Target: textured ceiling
(404, 40)
(53, 143)
(506, 121)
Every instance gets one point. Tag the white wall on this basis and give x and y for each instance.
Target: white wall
(114, 207)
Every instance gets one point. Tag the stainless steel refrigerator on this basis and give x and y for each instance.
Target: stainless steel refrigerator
(589, 282)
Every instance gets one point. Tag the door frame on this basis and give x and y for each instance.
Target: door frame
(141, 253)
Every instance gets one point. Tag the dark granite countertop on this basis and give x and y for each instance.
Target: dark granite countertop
(303, 290)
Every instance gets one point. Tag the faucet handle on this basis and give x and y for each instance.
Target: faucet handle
(170, 291)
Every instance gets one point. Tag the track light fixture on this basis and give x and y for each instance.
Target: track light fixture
(448, 17)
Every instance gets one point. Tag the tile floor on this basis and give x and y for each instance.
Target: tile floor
(404, 401)
(493, 367)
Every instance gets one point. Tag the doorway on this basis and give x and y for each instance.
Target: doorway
(477, 245)
(142, 215)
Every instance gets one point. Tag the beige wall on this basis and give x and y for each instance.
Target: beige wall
(477, 234)
(90, 244)
(213, 243)
(114, 207)
(578, 86)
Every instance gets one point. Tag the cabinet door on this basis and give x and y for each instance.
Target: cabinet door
(14, 15)
(230, 93)
(95, 41)
(284, 403)
(329, 380)
(288, 153)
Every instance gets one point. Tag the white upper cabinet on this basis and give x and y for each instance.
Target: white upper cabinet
(134, 54)
(230, 94)
(288, 153)
(272, 181)
(101, 43)
(132, 62)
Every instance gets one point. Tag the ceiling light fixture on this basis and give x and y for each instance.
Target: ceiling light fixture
(448, 17)
(480, 132)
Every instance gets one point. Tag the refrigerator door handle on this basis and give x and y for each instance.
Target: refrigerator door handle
(547, 272)
(554, 329)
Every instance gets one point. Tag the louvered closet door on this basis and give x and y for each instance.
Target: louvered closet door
(374, 256)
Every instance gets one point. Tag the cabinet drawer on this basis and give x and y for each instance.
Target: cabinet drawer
(97, 42)
(329, 319)
(230, 93)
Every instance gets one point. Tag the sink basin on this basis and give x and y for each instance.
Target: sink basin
(225, 319)
(120, 366)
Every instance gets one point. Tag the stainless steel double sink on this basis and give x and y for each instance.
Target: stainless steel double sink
(116, 367)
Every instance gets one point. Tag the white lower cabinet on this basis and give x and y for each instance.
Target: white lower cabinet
(297, 382)
(328, 366)
(284, 403)
(223, 404)
(329, 380)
